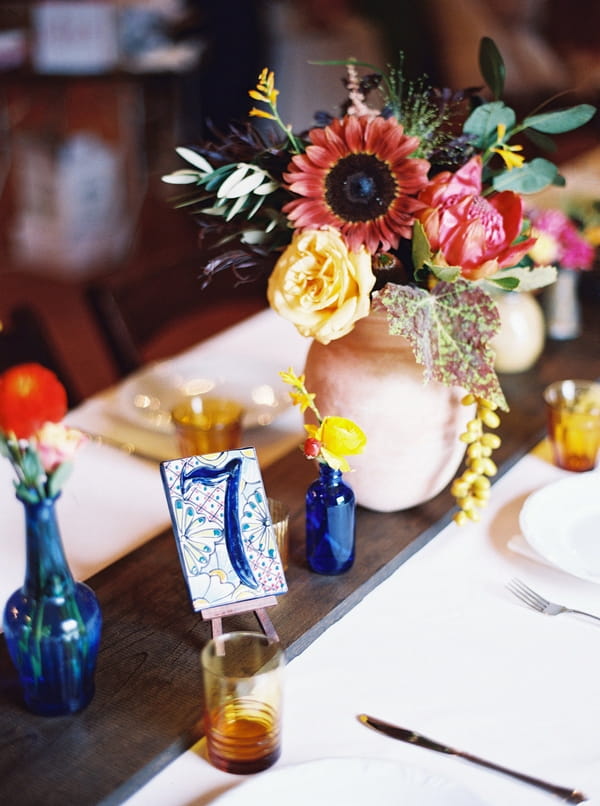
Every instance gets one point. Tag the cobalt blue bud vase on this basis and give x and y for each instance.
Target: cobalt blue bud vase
(330, 523)
(52, 624)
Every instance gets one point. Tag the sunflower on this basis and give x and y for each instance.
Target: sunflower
(357, 176)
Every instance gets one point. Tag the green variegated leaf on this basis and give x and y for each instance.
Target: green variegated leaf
(492, 66)
(449, 330)
(529, 178)
(482, 124)
(563, 120)
(526, 278)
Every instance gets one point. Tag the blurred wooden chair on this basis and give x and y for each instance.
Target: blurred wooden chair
(48, 321)
(151, 314)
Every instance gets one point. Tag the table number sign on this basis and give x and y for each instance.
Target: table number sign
(223, 531)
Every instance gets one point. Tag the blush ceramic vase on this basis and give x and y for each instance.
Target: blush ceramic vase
(330, 523)
(52, 624)
(413, 448)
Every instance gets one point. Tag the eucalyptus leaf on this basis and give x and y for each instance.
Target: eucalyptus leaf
(541, 140)
(236, 207)
(492, 66)
(245, 186)
(232, 180)
(253, 236)
(482, 124)
(563, 120)
(182, 177)
(529, 178)
(195, 159)
(257, 205)
(268, 187)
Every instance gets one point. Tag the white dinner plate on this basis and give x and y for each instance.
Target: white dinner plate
(146, 397)
(348, 781)
(562, 523)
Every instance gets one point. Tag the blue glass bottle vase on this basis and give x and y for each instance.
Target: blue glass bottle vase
(52, 624)
(330, 523)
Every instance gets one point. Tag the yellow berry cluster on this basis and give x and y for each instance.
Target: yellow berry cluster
(472, 489)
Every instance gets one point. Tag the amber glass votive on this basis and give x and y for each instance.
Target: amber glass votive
(573, 416)
(243, 690)
(207, 425)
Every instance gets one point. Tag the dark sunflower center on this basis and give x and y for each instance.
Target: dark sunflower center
(360, 187)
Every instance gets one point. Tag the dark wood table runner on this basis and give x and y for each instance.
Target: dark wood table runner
(148, 699)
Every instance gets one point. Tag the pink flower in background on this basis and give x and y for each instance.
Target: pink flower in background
(573, 251)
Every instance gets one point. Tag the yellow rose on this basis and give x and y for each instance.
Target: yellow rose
(321, 287)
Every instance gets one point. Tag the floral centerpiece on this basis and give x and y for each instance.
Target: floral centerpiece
(51, 624)
(407, 204)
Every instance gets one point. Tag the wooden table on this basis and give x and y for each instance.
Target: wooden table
(148, 697)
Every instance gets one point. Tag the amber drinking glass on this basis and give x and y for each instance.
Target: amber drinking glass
(243, 682)
(207, 425)
(573, 415)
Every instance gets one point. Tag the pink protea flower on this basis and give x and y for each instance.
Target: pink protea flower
(467, 230)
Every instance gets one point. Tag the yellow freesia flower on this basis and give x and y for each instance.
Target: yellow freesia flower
(290, 377)
(303, 399)
(508, 153)
(260, 113)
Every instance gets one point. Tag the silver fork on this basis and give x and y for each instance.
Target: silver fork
(537, 602)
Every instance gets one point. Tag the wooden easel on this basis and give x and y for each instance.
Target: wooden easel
(216, 615)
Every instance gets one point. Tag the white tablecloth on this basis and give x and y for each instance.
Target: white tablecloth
(443, 648)
(440, 647)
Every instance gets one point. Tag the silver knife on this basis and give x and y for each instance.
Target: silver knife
(567, 794)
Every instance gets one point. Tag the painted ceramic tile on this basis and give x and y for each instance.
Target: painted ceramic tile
(223, 528)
